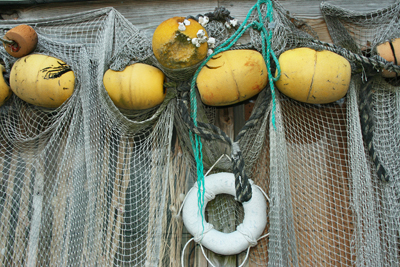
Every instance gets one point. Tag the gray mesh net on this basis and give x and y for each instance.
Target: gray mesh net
(88, 184)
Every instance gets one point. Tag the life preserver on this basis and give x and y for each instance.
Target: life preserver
(246, 234)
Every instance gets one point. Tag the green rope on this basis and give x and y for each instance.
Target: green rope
(266, 36)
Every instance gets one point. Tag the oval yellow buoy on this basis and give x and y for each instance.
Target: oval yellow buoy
(139, 86)
(315, 77)
(5, 91)
(42, 80)
(173, 43)
(232, 76)
(391, 52)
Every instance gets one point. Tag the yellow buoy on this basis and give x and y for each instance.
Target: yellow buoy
(315, 77)
(391, 52)
(231, 77)
(173, 43)
(5, 91)
(139, 86)
(42, 80)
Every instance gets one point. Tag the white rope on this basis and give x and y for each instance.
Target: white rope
(261, 237)
(248, 250)
(202, 250)
(217, 163)
(247, 256)
(204, 254)
(183, 202)
(183, 251)
(265, 195)
(201, 246)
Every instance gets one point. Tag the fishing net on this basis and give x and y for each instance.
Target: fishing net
(88, 184)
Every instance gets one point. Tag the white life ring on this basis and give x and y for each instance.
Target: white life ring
(246, 234)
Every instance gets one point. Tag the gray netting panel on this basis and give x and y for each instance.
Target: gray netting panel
(361, 32)
(288, 31)
(84, 185)
(376, 203)
(311, 221)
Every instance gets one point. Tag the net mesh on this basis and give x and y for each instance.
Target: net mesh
(88, 184)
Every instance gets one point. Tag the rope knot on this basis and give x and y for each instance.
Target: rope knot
(247, 235)
(200, 234)
(256, 25)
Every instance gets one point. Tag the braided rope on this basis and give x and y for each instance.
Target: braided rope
(377, 62)
(368, 128)
(212, 132)
(243, 187)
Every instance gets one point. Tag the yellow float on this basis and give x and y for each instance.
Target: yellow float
(391, 52)
(42, 80)
(232, 76)
(5, 91)
(315, 77)
(174, 44)
(139, 86)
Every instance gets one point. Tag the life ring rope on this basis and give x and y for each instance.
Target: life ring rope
(207, 259)
(247, 233)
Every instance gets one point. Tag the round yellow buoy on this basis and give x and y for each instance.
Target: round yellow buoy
(25, 40)
(231, 77)
(42, 80)
(179, 43)
(5, 91)
(391, 52)
(315, 77)
(139, 86)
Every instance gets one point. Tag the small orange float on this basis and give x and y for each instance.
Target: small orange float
(391, 52)
(23, 40)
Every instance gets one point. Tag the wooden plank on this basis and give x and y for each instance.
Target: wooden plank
(157, 11)
(145, 15)
(309, 11)
(225, 123)
(319, 185)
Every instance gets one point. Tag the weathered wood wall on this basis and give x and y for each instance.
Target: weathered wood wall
(148, 14)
